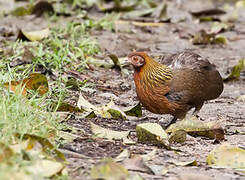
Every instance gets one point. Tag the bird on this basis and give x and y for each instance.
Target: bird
(182, 81)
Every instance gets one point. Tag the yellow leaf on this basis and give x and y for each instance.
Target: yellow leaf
(45, 168)
(5, 152)
(107, 133)
(34, 81)
(227, 156)
(34, 35)
(84, 104)
(108, 169)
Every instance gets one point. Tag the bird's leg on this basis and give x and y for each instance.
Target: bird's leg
(197, 109)
(171, 122)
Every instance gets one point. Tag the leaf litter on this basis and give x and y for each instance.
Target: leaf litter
(191, 147)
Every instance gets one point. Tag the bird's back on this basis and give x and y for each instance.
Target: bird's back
(195, 75)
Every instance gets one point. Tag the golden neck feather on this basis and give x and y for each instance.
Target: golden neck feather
(154, 73)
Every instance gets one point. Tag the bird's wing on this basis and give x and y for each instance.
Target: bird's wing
(187, 59)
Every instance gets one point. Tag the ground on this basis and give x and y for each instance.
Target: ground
(84, 152)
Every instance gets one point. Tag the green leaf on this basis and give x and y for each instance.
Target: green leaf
(115, 60)
(134, 110)
(22, 11)
(65, 107)
(178, 136)
(152, 133)
(220, 40)
(236, 70)
(202, 37)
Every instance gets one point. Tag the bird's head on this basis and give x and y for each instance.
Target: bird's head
(138, 59)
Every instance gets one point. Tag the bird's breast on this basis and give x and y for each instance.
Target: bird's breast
(151, 95)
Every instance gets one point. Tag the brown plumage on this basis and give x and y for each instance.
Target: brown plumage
(184, 80)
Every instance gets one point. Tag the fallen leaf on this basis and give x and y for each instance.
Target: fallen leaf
(178, 136)
(241, 98)
(16, 87)
(227, 156)
(196, 127)
(122, 156)
(116, 61)
(158, 169)
(185, 163)
(160, 12)
(240, 4)
(202, 37)
(145, 24)
(208, 12)
(107, 133)
(236, 70)
(128, 141)
(73, 83)
(65, 107)
(84, 104)
(67, 137)
(140, 24)
(218, 27)
(149, 156)
(99, 63)
(134, 110)
(5, 152)
(118, 6)
(220, 40)
(22, 11)
(139, 13)
(35, 81)
(33, 35)
(136, 164)
(108, 169)
(45, 168)
(35, 144)
(152, 133)
(135, 177)
(208, 19)
(109, 110)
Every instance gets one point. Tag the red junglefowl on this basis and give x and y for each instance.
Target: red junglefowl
(184, 80)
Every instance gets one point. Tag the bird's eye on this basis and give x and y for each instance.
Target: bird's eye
(135, 58)
(137, 61)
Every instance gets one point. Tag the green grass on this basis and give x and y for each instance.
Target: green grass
(66, 48)
(23, 116)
